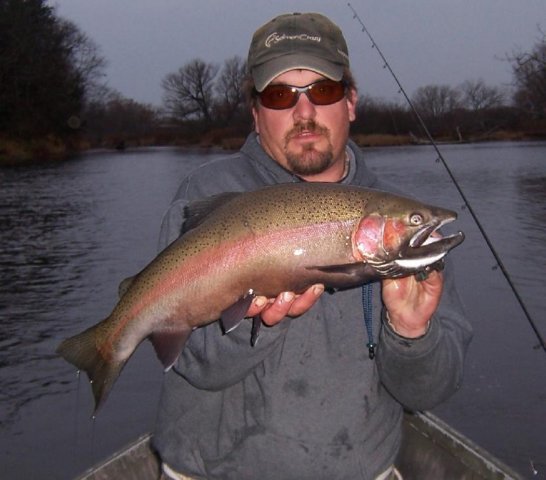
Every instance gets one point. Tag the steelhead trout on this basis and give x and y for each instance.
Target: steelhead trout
(279, 238)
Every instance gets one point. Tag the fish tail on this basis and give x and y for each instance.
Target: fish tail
(81, 351)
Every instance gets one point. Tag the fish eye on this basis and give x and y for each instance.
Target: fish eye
(416, 219)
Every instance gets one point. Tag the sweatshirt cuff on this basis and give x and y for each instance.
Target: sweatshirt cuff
(411, 347)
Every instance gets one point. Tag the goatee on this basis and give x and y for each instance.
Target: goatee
(309, 161)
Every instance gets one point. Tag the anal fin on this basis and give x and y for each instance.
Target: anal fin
(168, 345)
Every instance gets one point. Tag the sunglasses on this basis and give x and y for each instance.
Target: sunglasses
(281, 97)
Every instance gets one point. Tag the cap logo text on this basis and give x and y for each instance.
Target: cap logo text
(275, 38)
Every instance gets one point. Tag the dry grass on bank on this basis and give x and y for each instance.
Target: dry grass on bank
(506, 136)
(380, 140)
(16, 152)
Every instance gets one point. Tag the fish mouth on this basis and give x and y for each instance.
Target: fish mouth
(424, 248)
(422, 253)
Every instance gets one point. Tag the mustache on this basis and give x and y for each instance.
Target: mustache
(308, 126)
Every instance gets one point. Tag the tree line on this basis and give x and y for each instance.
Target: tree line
(47, 69)
(53, 86)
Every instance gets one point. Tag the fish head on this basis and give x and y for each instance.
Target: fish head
(398, 241)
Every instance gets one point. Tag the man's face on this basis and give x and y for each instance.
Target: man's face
(307, 139)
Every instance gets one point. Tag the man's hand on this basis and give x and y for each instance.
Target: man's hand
(287, 304)
(411, 303)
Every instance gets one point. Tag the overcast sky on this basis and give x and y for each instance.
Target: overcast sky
(425, 41)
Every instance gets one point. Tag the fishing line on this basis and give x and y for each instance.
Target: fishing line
(441, 158)
(77, 409)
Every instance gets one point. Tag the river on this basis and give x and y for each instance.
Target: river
(71, 231)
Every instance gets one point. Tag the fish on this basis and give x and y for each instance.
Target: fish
(236, 245)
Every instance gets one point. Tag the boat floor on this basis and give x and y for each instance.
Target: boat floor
(431, 450)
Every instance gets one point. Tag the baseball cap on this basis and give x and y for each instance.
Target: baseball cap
(308, 41)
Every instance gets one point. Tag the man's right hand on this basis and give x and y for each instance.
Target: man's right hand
(287, 304)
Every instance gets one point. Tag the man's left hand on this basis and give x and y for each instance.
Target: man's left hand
(411, 303)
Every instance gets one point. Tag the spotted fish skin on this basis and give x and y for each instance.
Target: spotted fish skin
(278, 238)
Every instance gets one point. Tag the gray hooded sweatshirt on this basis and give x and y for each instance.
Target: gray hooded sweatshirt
(306, 402)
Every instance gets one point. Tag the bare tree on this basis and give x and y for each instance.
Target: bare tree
(229, 87)
(435, 101)
(375, 115)
(479, 96)
(189, 91)
(529, 70)
(87, 63)
(115, 116)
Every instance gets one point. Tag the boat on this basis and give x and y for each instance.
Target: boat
(431, 450)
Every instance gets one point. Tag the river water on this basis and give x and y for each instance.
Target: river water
(69, 232)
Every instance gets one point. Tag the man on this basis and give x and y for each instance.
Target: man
(308, 401)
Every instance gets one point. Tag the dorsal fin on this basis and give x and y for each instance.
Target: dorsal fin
(124, 285)
(196, 212)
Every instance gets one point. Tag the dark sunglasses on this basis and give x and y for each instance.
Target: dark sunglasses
(280, 97)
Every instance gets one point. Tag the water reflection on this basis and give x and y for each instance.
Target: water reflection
(532, 189)
(46, 234)
(70, 232)
(505, 186)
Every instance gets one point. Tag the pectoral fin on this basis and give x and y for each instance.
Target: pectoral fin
(345, 276)
(232, 316)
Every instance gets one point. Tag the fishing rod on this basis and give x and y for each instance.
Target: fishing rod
(441, 158)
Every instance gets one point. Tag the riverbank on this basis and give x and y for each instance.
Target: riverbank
(18, 152)
(51, 148)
